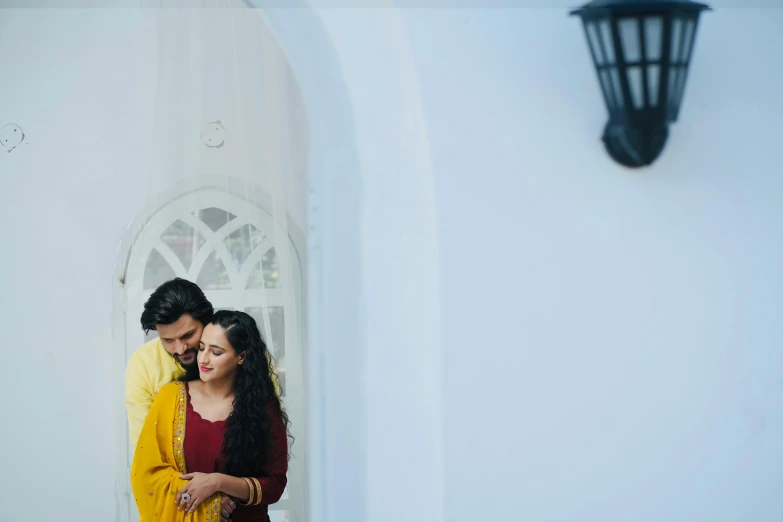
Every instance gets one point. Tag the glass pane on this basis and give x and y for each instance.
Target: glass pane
(653, 83)
(213, 275)
(629, 36)
(271, 269)
(277, 324)
(607, 87)
(616, 87)
(257, 313)
(653, 37)
(674, 72)
(184, 240)
(268, 268)
(255, 280)
(595, 45)
(688, 40)
(242, 242)
(679, 88)
(676, 39)
(214, 217)
(157, 271)
(606, 37)
(277, 344)
(635, 86)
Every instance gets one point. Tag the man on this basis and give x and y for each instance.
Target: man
(178, 311)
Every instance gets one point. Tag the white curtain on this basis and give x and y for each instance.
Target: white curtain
(225, 184)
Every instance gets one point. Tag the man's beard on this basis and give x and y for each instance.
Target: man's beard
(191, 365)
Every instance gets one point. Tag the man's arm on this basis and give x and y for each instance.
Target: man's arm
(138, 397)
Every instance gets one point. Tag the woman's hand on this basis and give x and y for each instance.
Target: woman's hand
(201, 487)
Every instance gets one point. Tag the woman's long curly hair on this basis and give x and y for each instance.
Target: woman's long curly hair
(248, 443)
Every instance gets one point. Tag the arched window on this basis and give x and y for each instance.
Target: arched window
(242, 259)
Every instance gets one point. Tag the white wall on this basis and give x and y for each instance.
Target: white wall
(70, 79)
(611, 338)
(401, 422)
(82, 84)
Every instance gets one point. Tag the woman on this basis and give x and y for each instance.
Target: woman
(219, 431)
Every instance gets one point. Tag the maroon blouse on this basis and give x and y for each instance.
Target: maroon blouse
(203, 444)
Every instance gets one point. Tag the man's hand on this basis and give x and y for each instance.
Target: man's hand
(228, 506)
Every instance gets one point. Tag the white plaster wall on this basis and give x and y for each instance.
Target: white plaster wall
(82, 83)
(612, 340)
(71, 80)
(608, 340)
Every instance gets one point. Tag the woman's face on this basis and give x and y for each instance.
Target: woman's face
(217, 359)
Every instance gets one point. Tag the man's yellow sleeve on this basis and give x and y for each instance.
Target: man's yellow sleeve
(273, 373)
(138, 397)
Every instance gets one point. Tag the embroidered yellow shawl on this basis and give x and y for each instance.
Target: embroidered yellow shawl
(160, 459)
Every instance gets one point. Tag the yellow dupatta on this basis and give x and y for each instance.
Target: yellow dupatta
(160, 459)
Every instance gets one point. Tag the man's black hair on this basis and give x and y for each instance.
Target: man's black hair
(172, 300)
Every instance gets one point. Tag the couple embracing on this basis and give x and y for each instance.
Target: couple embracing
(204, 412)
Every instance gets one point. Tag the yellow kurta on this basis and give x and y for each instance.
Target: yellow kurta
(149, 369)
(160, 459)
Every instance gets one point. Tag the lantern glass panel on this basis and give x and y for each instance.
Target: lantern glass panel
(680, 88)
(674, 75)
(629, 36)
(690, 25)
(595, 43)
(653, 83)
(635, 85)
(607, 41)
(606, 85)
(676, 39)
(653, 37)
(616, 88)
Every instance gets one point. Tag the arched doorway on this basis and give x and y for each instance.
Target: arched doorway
(243, 259)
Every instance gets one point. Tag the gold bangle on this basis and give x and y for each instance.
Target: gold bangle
(258, 491)
(251, 493)
(252, 500)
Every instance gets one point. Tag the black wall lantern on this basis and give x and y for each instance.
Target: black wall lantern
(641, 50)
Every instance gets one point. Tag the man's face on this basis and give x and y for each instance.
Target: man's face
(181, 338)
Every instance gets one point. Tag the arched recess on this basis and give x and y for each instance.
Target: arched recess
(349, 472)
(243, 259)
(335, 366)
(370, 314)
